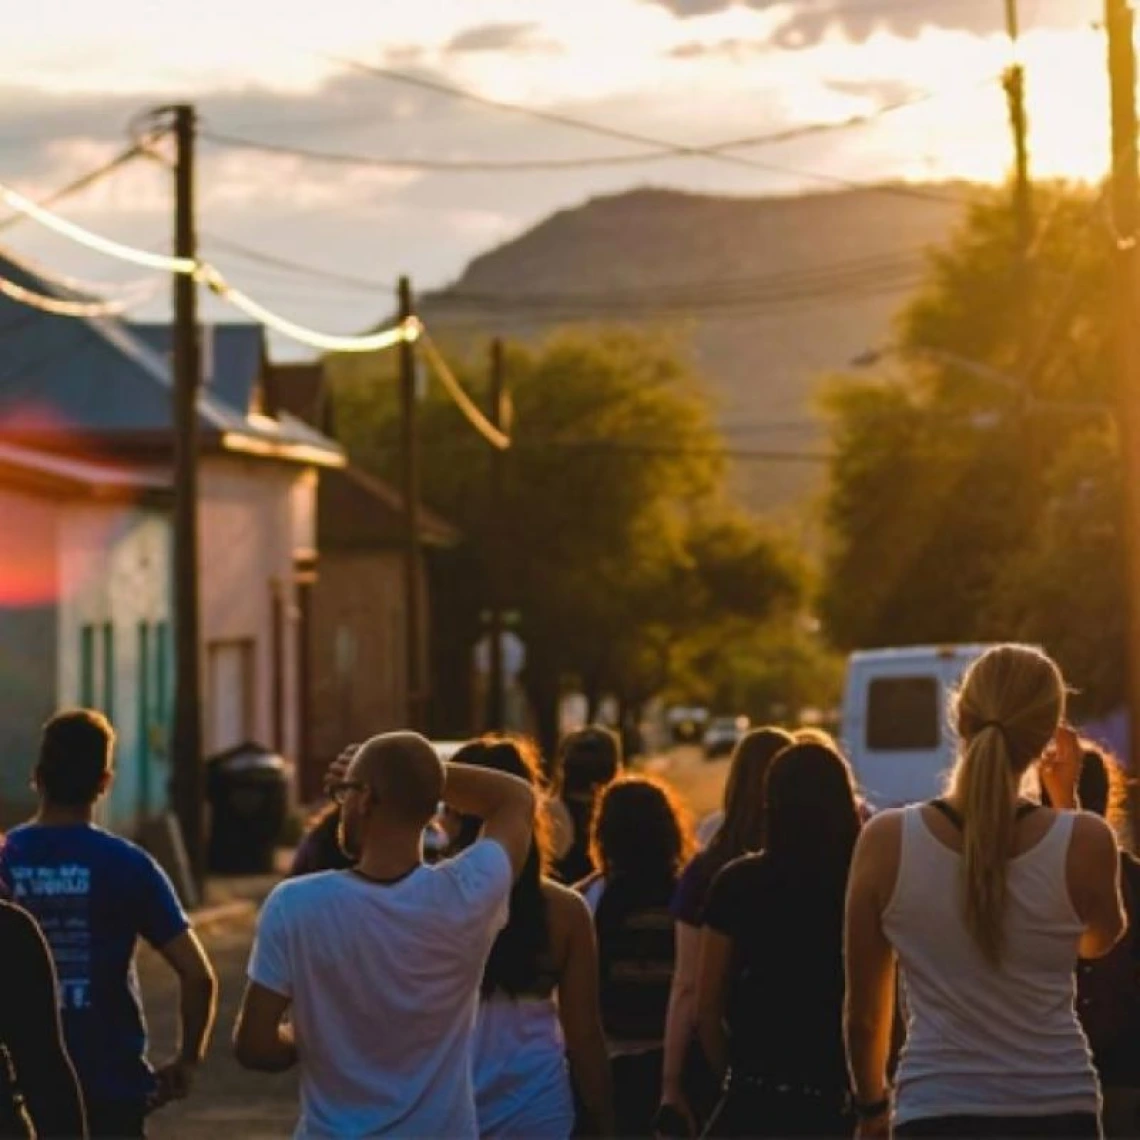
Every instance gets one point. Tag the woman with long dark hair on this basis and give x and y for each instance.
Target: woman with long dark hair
(641, 837)
(986, 900)
(770, 991)
(539, 1007)
(685, 1087)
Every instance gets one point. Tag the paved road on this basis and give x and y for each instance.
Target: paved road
(230, 1104)
(227, 1103)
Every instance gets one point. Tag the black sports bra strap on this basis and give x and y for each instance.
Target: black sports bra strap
(950, 813)
(955, 818)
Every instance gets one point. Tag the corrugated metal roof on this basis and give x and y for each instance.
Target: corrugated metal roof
(232, 357)
(61, 375)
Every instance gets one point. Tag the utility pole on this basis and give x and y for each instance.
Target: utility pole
(1014, 83)
(188, 777)
(1125, 200)
(410, 463)
(495, 684)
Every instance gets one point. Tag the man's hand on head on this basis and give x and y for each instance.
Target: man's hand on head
(338, 769)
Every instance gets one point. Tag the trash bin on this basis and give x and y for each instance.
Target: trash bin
(246, 787)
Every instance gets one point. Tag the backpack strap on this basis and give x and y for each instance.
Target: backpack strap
(955, 817)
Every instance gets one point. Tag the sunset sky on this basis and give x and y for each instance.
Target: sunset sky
(690, 72)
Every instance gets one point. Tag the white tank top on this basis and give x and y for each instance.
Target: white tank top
(986, 1040)
(519, 1069)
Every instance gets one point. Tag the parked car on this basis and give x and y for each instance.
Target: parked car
(723, 734)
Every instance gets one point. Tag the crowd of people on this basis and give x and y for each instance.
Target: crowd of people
(490, 947)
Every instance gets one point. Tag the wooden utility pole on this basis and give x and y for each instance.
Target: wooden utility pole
(188, 776)
(1125, 200)
(495, 683)
(1014, 83)
(410, 463)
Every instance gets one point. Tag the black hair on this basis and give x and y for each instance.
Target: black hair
(514, 965)
(75, 756)
(812, 814)
(588, 759)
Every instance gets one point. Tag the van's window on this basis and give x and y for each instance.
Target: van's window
(903, 714)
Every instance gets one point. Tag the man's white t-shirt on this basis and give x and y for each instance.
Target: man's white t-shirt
(384, 983)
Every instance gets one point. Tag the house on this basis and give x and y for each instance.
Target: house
(356, 675)
(99, 392)
(84, 610)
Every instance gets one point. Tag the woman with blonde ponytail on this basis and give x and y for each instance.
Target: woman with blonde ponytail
(985, 900)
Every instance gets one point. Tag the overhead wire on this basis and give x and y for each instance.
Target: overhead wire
(83, 182)
(435, 165)
(620, 134)
(470, 410)
(213, 279)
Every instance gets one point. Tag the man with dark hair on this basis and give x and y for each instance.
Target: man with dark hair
(381, 963)
(94, 895)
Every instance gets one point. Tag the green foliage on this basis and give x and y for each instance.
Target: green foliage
(961, 508)
(616, 542)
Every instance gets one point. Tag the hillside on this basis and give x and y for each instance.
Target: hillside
(774, 292)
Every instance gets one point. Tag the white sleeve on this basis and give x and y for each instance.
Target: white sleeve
(269, 961)
(483, 877)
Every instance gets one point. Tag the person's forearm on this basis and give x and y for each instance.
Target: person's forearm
(484, 793)
(198, 1007)
(590, 1070)
(868, 1047)
(680, 1024)
(714, 1041)
(275, 1057)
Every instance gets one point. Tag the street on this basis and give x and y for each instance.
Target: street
(255, 1105)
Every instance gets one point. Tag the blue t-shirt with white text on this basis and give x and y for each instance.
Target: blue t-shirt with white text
(94, 895)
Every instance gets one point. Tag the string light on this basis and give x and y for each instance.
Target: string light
(374, 342)
(93, 240)
(466, 405)
(61, 307)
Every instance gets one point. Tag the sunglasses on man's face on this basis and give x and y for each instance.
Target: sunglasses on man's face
(339, 791)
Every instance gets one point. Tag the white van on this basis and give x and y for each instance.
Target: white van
(895, 725)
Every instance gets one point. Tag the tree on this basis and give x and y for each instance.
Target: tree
(948, 489)
(617, 539)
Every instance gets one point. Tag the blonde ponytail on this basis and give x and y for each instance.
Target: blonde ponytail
(985, 788)
(1007, 710)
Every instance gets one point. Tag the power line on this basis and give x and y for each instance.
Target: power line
(432, 165)
(81, 183)
(620, 134)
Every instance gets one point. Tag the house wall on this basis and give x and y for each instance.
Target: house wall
(359, 676)
(115, 644)
(254, 518)
(29, 593)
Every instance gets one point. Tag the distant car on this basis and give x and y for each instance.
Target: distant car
(723, 734)
(686, 724)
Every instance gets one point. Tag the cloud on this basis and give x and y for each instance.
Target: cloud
(723, 49)
(808, 21)
(500, 37)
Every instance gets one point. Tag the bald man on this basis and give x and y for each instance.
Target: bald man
(381, 964)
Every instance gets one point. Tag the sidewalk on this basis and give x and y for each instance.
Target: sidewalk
(226, 1100)
(231, 896)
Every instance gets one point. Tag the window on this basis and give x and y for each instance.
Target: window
(97, 668)
(87, 666)
(108, 704)
(903, 714)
